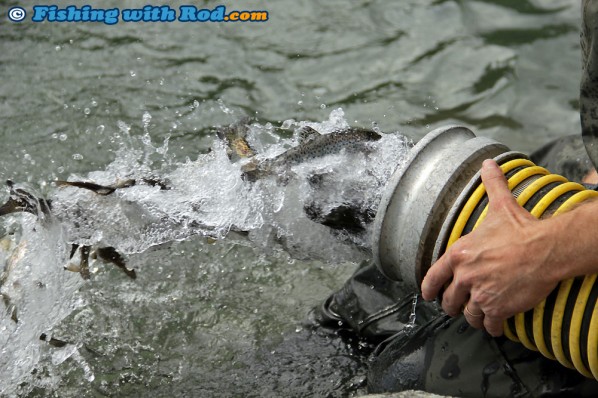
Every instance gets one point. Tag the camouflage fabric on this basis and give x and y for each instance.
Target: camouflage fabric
(566, 156)
(588, 98)
(421, 348)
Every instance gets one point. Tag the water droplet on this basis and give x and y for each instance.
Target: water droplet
(146, 119)
(287, 124)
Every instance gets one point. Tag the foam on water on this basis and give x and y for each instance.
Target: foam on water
(207, 196)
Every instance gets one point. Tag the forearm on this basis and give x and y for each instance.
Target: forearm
(573, 240)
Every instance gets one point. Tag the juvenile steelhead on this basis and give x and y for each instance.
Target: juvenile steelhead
(312, 145)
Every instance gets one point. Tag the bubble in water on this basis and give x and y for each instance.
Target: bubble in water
(63, 137)
(94, 103)
(196, 103)
(77, 156)
(60, 169)
(132, 73)
(87, 111)
(58, 48)
(100, 129)
(323, 106)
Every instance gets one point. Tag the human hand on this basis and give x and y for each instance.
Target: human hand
(500, 268)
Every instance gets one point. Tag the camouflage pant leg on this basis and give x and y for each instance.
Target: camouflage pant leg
(447, 356)
(436, 353)
(566, 156)
(373, 307)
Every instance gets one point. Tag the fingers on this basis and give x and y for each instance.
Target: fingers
(494, 326)
(474, 315)
(454, 297)
(438, 275)
(495, 183)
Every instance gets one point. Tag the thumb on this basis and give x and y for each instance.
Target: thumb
(496, 184)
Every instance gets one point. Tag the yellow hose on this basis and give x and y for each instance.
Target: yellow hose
(565, 325)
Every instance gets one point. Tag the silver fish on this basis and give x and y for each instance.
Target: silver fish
(312, 145)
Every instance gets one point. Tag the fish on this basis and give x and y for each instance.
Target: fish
(54, 342)
(103, 190)
(312, 145)
(106, 190)
(24, 202)
(107, 254)
(235, 137)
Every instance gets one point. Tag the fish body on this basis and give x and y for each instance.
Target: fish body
(315, 145)
(312, 145)
(97, 188)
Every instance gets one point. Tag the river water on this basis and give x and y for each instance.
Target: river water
(224, 318)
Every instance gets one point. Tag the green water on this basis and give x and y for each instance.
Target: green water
(221, 320)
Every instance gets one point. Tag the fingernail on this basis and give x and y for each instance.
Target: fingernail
(487, 163)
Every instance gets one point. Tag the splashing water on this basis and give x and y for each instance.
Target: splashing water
(206, 197)
(410, 325)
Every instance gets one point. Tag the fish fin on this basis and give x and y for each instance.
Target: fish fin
(11, 309)
(306, 134)
(74, 248)
(84, 264)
